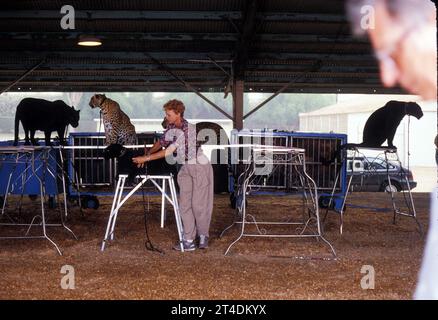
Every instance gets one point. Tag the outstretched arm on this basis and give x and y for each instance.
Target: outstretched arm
(140, 161)
(156, 147)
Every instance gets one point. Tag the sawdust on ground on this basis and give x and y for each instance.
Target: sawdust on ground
(255, 268)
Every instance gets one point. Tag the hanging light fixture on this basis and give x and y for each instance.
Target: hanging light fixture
(89, 41)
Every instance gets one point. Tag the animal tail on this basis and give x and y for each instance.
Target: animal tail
(16, 127)
(337, 153)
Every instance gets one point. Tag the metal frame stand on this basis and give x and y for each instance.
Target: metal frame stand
(26, 155)
(71, 182)
(295, 158)
(119, 201)
(409, 205)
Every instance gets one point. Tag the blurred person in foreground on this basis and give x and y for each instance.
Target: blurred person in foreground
(403, 35)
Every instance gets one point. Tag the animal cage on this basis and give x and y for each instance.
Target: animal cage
(317, 146)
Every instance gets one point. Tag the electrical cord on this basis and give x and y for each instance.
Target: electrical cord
(148, 243)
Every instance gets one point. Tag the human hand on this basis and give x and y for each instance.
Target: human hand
(140, 161)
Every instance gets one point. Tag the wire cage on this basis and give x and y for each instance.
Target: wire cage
(317, 146)
(89, 164)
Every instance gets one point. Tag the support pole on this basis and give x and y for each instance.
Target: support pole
(238, 104)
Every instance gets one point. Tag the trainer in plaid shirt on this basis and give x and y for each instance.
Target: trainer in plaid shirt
(195, 178)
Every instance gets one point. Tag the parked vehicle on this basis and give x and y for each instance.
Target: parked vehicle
(371, 174)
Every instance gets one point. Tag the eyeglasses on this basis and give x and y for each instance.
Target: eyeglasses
(386, 55)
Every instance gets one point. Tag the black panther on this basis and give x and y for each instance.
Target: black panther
(382, 125)
(47, 116)
(126, 166)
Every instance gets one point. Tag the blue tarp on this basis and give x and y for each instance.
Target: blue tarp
(23, 179)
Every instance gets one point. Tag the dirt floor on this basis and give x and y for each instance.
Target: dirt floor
(256, 268)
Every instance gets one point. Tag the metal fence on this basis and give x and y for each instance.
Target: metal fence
(90, 165)
(317, 146)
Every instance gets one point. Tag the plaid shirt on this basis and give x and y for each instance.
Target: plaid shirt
(184, 139)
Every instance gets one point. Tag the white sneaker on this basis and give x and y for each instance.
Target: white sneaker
(203, 242)
(187, 245)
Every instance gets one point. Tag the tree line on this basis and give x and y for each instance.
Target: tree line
(280, 113)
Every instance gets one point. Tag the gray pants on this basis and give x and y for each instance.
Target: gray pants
(196, 198)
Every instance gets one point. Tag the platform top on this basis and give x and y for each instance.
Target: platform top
(381, 148)
(148, 176)
(18, 149)
(259, 148)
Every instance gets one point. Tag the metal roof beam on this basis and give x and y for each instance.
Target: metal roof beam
(114, 73)
(150, 36)
(205, 47)
(24, 75)
(112, 67)
(190, 87)
(123, 55)
(340, 84)
(216, 79)
(177, 89)
(179, 36)
(302, 17)
(247, 34)
(191, 70)
(122, 15)
(314, 56)
(171, 15)
(257, 74)
(314, 68)
(90, 83)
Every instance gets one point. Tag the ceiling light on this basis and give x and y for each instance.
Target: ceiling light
(89, 41)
